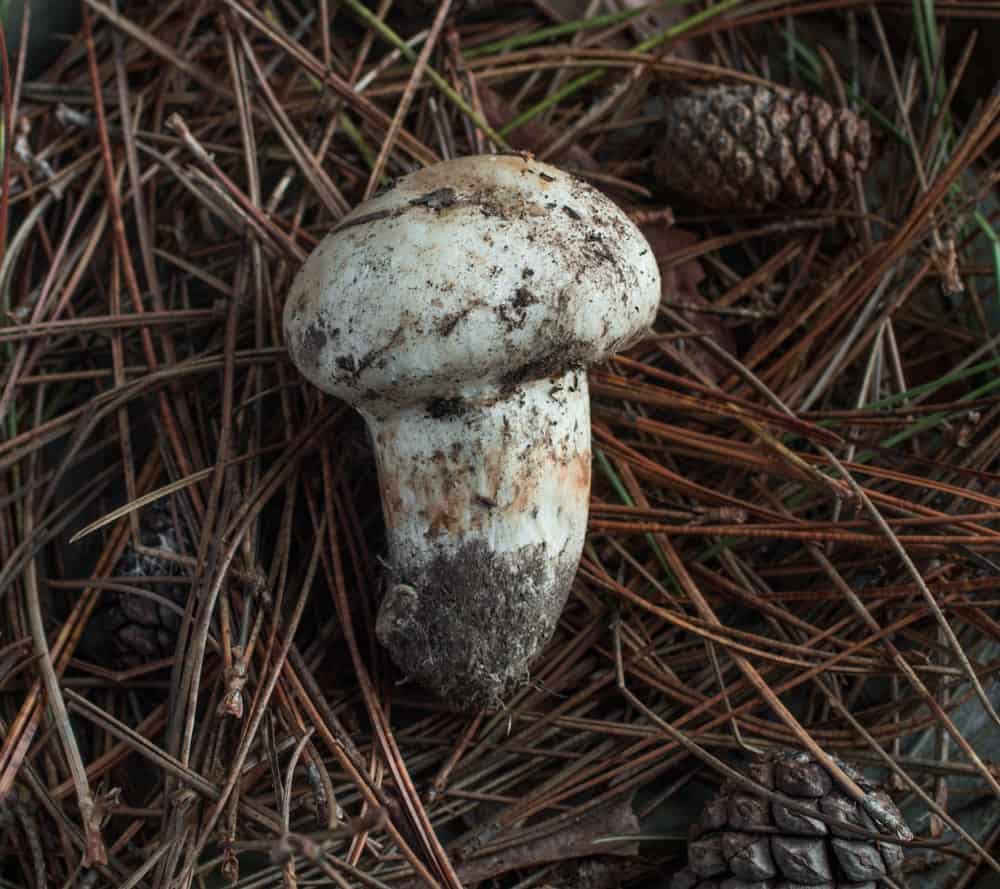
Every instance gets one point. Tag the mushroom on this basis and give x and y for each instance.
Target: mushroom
(457, 311)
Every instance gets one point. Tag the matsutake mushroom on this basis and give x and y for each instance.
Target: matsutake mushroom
(457, 311)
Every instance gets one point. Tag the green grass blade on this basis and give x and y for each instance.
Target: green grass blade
(656, 40)
(609, 471)
(567, 29)
(384, 31)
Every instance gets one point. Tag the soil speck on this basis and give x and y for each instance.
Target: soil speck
(435, 200)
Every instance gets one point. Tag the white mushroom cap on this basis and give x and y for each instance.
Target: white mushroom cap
(482, 270)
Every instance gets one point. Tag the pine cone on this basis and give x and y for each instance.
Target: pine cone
(747, 147)
(742, 841)
(130, 630)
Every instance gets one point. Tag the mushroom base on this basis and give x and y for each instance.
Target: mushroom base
(486, 511)
(479, 620)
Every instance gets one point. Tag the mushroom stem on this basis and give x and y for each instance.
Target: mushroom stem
(485, 497)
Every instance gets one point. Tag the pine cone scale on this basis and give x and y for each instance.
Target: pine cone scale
(706, 858)
(802, 859)
(748, 856)
(858, 860)
(132, 629)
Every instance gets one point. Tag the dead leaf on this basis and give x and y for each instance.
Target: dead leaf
(666, 240)
(680, 286)
(534, 136)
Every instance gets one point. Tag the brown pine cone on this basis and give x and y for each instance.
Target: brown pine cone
(744, 147)
(130, 630)
(742, 841)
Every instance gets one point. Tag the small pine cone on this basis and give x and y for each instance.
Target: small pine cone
(742, 841)
(130, 630)
(744, 147)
